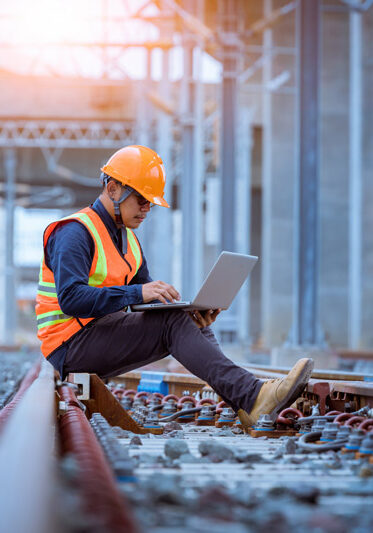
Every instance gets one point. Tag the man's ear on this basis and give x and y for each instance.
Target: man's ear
(111, 188)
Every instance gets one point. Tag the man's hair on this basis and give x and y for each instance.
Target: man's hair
(105, 178)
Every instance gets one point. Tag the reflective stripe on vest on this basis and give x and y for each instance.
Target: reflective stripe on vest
(47, 289)
(52, 317)
(135, 248)
(108, 269)
(100, 272)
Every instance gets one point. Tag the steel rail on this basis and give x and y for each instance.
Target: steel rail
(7, 411)
(27, 460)
(335, 375)
(100, 495)
(327, 390)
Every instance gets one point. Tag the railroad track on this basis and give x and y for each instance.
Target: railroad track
(85, 456)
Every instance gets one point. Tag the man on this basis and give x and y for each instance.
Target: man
(93, 268)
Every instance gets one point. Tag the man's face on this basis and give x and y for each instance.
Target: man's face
(134, 208)
(134, 211)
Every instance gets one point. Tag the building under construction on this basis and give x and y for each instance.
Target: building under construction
(262, 113)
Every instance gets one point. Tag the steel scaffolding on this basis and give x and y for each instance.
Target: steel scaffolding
(183, 133)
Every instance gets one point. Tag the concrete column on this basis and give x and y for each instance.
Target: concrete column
(243, 215)
(306, 329)
(2, 275)
(228, 326)
(191, 176)
(355, 183)
(229, 25)
(144, 120)
(160, 218)
(266, 258)
(9, 289)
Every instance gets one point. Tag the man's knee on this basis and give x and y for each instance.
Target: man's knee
(172, 317)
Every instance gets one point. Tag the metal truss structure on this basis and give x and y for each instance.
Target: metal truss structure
(193, 153)
(62, 134)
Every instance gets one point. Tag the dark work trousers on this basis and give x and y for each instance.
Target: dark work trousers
(120, 342)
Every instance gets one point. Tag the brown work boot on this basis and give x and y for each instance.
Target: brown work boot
(277, 394)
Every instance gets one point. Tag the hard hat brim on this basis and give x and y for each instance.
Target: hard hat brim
(157, 200)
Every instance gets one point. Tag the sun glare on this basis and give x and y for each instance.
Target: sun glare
(51, 31)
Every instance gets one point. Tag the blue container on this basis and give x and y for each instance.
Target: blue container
(153, 382)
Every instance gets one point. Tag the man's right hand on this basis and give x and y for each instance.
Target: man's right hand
(159, 290)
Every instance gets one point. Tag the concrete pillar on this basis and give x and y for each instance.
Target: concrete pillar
(229, 25)
(334, 179)
(228, 326)
(243, 215)
(266, 258)
(160, 218)
(191, 176)
(2, 275)
(9, 288)
(355, 178)
(144, 119)
(367, 185)
(306, 327)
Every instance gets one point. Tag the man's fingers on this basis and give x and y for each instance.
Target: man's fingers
(197, 320)
(215, 313)
(160, 298)
(164, 296)
(201, 319)
(168, 291)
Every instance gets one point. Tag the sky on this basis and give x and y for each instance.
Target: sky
(38, 36)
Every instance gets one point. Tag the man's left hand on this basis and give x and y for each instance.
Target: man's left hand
(204, 318)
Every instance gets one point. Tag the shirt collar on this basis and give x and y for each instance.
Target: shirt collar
(99, 208)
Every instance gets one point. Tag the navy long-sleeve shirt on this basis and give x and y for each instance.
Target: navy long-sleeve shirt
(69, 254)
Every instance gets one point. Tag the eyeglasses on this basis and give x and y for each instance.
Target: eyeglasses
(141, 200)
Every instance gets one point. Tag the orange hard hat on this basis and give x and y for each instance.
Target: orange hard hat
(141, 169)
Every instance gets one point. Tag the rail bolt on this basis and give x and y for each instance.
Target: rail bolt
(186, 406)
(151, 421)
(186, 399)
(130, 392)
(366, 447)
(226, 417)
(264, 423)
(157, 395)
(319, 424)
(341, 419)
(206, 416)
(288, 416)
(127, 402)
(169, 408)
(205, 401)
(366, 424)
(343, 432)
(330, 432)
(220, 407)
(118, 393)
(143, 396)
(355, 421)
(355, 439)
(170, 397)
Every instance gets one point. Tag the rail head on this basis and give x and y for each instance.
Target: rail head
(27, 460)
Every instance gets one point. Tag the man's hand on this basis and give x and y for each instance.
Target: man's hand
(159, 290)
(204, 318)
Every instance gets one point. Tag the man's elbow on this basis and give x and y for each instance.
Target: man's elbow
(67, 308)
(69, 303)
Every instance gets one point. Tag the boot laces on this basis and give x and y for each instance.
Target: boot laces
(274, 380)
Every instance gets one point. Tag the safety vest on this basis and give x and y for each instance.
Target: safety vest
(108, 268)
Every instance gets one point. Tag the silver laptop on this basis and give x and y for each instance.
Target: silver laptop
(219, 288)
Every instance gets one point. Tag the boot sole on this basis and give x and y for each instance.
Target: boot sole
(295, 391)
